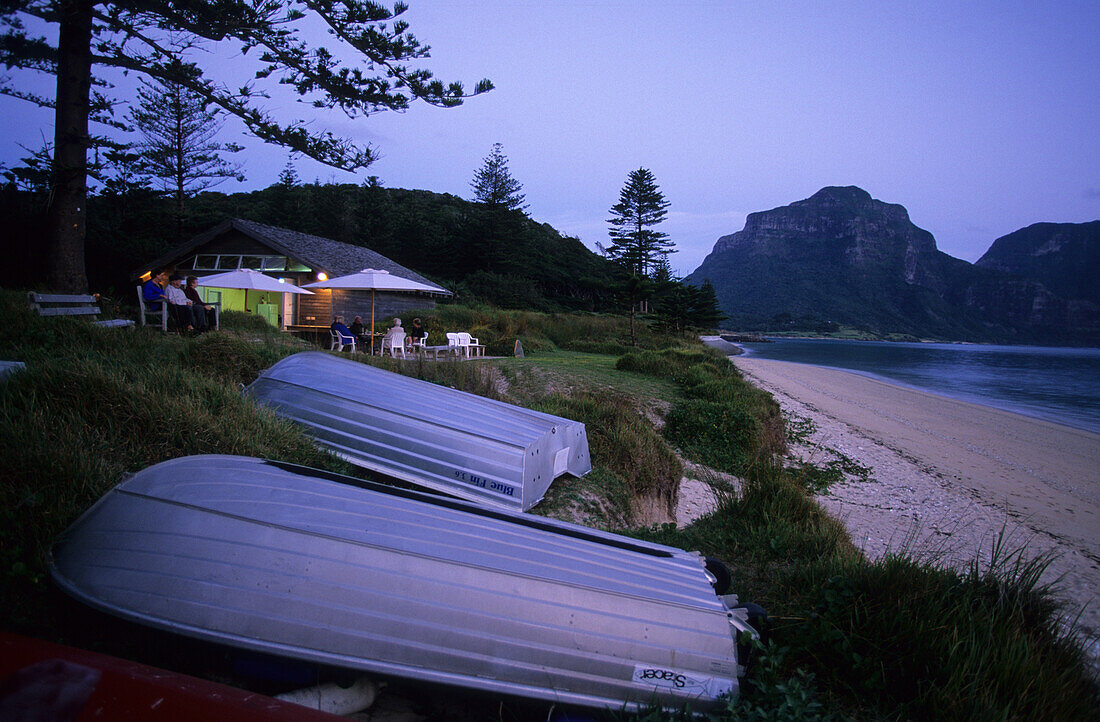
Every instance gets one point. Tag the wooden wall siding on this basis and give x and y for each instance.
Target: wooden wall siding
(350, 304)
(315, 310)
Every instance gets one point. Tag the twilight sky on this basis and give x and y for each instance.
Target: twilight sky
(979, 117)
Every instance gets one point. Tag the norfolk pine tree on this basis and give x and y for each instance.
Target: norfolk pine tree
(641, 205)
(494, 185)
(636, 247)
(165, 39)
(496, 227)
(179, 145)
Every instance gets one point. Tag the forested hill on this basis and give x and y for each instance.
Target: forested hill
(485, 254)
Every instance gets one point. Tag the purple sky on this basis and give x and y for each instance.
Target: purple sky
(979, 117)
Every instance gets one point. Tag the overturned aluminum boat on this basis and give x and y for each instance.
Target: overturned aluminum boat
(430, 435)
(301, 563)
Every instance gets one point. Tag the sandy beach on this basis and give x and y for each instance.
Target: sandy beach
(947, 475)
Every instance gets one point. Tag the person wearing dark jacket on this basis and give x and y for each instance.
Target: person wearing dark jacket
(338, 327)
(199, 309)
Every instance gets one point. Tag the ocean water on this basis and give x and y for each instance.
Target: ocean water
(1055, 384)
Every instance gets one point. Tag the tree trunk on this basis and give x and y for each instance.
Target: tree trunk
(633, 339)
(69, 192)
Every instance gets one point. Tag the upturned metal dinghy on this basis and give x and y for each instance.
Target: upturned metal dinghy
(318, 567)
(430, 435)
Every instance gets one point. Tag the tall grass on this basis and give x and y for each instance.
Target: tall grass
(724, 422)
(924, 642)
(623, 444)
(895, 638)
(539, 332)
(97, 403)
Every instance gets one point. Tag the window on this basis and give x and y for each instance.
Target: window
(233, 261)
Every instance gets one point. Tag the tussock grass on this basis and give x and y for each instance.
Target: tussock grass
(724, 422)
(925, 642)
(621, 444)
(97, 403)
(538, 332)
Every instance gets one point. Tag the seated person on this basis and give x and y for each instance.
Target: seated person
(392, 332)
(338, 327)
(357, 328)
(179, 307)
(152, 291)
(416, 333)
(198, 308)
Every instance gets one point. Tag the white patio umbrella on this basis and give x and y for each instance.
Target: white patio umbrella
(250, 280)
(373, 279)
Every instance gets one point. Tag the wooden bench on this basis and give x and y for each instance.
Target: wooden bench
(61, 304)
(157, 312)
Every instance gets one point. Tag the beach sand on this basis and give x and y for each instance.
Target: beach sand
(948, 476)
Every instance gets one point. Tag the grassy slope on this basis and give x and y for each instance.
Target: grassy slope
(892, 640)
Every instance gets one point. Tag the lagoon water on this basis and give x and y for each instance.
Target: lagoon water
(1055, 384)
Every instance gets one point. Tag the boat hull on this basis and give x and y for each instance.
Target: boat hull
(291, 561)
(435, 437)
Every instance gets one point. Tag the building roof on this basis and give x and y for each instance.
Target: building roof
(321, 254)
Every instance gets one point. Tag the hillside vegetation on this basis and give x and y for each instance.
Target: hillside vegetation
(893, 639)
(485, 255)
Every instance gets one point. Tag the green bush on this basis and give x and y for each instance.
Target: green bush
(720, 435)
(622, 442)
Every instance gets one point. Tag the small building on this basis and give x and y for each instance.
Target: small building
(297, 258)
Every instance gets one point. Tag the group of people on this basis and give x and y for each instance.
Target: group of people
(185, 305)
(360, 333)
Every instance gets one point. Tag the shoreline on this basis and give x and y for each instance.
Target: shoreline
(949, 475)
(1070, 417)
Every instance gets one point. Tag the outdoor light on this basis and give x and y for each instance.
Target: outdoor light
(282, 280)
(322, 276)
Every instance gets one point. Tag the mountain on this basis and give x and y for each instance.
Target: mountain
(842, 257)
(1064, 257)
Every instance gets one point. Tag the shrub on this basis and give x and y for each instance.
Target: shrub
(623, 442)
(717, 434)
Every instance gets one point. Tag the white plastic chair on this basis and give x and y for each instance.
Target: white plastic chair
(463, 341)
(394, 341)
(339, 341)
(470, 345)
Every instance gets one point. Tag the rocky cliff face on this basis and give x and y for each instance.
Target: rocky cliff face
(1064, 257)
(841, 256)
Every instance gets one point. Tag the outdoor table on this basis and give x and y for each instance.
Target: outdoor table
(370, 339)
(434, 350)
